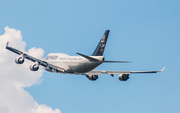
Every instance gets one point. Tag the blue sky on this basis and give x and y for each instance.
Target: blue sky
(144, 32)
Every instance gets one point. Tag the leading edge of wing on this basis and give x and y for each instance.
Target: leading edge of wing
(96, 72)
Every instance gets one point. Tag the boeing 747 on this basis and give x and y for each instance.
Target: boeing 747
(78, 65)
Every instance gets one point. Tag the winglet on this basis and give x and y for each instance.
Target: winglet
(7, 44)
(162, 69)
(13, 49)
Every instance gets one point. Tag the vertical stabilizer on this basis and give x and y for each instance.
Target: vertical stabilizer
(101, 46)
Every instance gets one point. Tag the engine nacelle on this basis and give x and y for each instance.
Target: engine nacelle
(19, 60)
(123, 77)
(34, 67)
(92, 77)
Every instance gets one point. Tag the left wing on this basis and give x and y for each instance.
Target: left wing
(33, 59)
(119, 72)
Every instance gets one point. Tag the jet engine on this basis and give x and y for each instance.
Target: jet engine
(123, 77)
(92, 77)
(34, 67)
(19, 60)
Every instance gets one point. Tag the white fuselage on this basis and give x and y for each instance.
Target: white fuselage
(72, 64)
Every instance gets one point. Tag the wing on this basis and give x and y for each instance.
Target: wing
(119, 72)
(33, 59)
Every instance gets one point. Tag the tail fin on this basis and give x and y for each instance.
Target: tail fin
(101, 46)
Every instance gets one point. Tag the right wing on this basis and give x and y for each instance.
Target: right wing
(33, 59)
(96, 72)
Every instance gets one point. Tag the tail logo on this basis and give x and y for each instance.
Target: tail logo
(102, 44)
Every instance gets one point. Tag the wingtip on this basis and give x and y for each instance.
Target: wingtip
(163, 69)
(7, 44)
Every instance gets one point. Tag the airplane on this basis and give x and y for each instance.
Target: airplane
(78, 65)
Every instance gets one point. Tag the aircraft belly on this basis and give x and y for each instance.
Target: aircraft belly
(76, 68)
(86, 67)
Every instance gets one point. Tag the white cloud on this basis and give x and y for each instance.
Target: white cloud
(13, 77)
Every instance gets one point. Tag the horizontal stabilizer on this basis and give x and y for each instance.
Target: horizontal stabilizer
(87, 57)
(117, 61)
